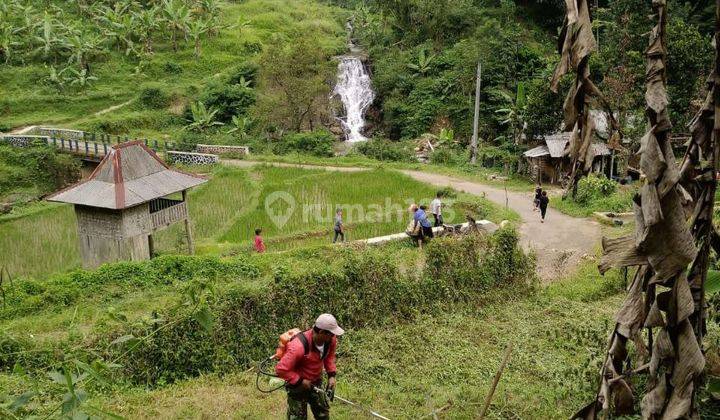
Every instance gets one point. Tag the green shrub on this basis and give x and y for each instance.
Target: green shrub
(593, 187)
(41, 168)
(361, 287)
(442, 157)
(316, 143)
(229, 99)
(247, 71)
(171, 67)
(386, 150)
(31, 296)
(154, 96)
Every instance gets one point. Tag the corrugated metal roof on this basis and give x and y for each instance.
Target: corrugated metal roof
(600, 149)
(537, 152)
(131, 174)
(556, 143)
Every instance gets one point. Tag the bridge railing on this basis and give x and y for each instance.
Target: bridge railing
(78, 137)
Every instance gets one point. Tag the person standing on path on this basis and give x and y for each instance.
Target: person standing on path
(544, 201)
(339, 226)
(259, 244)
(308, 353)
(436, 209)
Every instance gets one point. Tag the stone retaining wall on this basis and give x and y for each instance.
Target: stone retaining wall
(189, 158)
(59, 133)
(220, 149)
(24, 140)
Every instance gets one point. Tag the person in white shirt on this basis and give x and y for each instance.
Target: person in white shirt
(436, 209)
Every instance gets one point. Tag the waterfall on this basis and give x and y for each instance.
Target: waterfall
(355, 91)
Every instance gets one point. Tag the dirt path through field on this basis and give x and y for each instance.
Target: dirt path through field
(559, 243)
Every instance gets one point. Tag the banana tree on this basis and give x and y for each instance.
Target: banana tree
(81, 45)
(423, 64)
(202, 118)
(80, 78)
(114, 21)
(514, 111)
(210, 10)
(241, 126)
(8, 40)
(177, 16)
(196, 29)
(148, 21)
(47, 38)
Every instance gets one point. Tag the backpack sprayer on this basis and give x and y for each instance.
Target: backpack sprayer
(280, 351)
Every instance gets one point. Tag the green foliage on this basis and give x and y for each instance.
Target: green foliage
(594, 187)
(596, 194)
(245, 72)
(424, 74)
(386, 150)
(361, 287)
(315, 143)
(30, 296)
(202, 118)
(154, 96)
(40, 169)
(230, 100)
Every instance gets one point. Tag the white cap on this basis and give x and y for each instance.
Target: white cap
(328, 322)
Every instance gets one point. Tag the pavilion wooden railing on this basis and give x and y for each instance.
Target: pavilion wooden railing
(164, 212)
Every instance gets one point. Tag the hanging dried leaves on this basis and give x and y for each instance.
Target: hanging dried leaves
(674, 231)
(575, 44)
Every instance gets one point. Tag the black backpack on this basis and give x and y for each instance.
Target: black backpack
(306, 345)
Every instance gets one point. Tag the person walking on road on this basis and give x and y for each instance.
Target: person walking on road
(339, 226)
(536, 200)
(544, 201)
(436, 209)
(308, 353)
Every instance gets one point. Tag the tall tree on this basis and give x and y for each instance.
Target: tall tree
(297, 93)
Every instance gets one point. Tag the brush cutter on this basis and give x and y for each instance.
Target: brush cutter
(330, 394)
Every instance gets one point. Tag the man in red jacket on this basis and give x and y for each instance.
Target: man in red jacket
(302, 365)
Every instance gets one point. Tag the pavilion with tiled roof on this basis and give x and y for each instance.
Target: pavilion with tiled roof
(130, 195)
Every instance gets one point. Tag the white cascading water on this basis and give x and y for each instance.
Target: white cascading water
(354, 88)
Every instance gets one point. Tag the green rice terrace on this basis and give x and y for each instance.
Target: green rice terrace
(466, 209)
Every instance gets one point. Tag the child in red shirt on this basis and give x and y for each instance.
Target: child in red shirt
(259, 244)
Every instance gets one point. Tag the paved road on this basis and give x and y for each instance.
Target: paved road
(560, 238)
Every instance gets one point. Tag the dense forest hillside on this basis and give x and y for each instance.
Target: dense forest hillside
(423, 55)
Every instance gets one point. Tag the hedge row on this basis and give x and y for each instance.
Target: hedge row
(366, 288)
(27, 296)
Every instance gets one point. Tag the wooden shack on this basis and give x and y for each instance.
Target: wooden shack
(125, 201)
(548, 162)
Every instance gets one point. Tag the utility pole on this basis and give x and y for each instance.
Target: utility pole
(474, 142)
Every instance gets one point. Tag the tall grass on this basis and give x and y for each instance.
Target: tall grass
(374, 203)
(41, 243)
(213, 207)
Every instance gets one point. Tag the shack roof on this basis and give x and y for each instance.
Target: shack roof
(555, 145)
(130, 174)
(538, 151)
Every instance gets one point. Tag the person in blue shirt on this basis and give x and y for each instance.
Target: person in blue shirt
(420, 217)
